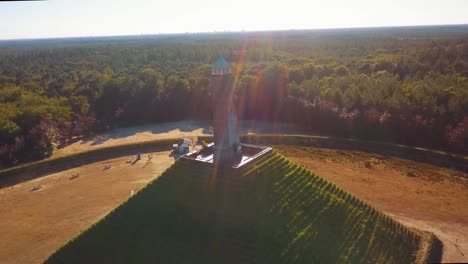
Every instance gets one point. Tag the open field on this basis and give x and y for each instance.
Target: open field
(420, 202)
(34, 223)
(434, 199)
(273, 212)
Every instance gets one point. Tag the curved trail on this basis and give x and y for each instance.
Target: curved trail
(454, 236)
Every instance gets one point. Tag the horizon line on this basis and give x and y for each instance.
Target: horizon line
(233, 31)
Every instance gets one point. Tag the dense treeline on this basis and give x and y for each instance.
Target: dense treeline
(405, 85)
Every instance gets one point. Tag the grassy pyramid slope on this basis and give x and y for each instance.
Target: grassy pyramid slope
(275, 212)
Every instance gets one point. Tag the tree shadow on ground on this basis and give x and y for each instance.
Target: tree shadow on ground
(186, 126)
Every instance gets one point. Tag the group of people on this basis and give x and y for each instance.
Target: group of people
(138, 156)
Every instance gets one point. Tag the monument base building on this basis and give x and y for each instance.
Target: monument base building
(227, 150)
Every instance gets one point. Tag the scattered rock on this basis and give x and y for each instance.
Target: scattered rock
(410, 173)
(107, 167)
(35, 188)
(368, 164)
(74, 176)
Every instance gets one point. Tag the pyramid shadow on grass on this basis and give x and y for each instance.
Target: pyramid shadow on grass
(273, 212)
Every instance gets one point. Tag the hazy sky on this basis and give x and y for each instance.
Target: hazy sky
(65, 18)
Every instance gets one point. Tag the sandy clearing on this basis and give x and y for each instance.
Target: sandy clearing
(165, 131)
(137, 134)
(435, 199)
(36, 223)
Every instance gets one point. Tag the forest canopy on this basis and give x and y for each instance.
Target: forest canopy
(402, 85)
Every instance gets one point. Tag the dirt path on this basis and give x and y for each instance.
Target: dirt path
(434, 199)
(454, 236)
(35, 223)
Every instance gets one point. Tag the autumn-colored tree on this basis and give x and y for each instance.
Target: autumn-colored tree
(45, 138)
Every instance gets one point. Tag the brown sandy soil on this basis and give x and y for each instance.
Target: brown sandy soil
(33, 224)
(434, 199)
(129, 135)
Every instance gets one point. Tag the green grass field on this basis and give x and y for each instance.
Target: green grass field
(274, 212)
